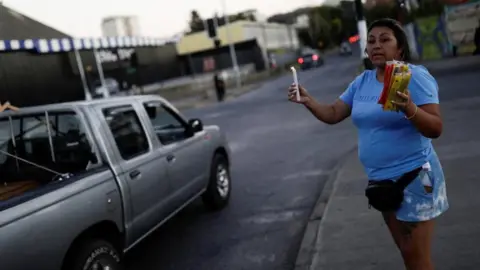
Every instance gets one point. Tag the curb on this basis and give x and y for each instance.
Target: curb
(307, 247)
(453, 70)
(452, 66)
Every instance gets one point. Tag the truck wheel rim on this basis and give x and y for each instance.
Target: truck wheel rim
(223, 180)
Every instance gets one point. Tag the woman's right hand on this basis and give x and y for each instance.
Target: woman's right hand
(292, 95)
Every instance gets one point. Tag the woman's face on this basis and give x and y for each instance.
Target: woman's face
(382, 46)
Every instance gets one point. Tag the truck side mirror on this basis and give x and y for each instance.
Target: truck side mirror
(196, 125)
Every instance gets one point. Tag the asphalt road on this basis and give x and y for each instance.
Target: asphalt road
(282, 156)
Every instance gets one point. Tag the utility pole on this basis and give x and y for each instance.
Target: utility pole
(362, 32)
(98, 62)
(81, 71)
(233, 55)
(402, 7)
(266, 57)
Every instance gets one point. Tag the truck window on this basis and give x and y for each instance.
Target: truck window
(127, 131)
(167, 125)
(27, 144)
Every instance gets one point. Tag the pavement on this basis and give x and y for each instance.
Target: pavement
(281, 159)
(351, 236)
(199, 101)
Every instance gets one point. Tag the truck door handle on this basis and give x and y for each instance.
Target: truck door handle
(170, 158)
(134, 174)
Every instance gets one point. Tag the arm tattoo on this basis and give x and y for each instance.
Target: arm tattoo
(406, 228)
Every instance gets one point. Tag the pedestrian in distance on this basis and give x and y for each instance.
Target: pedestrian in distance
(219, 87)
(476, 39)
(406, 183)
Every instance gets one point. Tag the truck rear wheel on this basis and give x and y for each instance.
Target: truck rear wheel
(218, 190)
(95, 254)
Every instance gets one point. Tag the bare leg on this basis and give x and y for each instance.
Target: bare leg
(414, 241)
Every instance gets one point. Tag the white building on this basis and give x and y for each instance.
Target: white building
(273, 39)
(120, 26)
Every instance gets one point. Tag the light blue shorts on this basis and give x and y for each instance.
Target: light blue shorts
(420, 205)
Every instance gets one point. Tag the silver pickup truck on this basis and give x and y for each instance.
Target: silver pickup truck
(81, 183)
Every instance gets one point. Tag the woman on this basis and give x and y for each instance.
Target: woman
(392, 144)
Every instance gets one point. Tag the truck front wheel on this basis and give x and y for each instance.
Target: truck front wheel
(219, 187)
(95, 254)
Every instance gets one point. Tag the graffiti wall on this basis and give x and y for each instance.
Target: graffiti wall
(431, 38)
(461, 22)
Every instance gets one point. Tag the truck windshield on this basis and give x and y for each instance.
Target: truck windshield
(57, 142)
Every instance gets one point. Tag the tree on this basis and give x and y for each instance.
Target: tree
(326, 25)
(196, 22)
(319, 29)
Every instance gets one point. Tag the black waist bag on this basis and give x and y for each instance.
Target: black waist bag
(387, 195)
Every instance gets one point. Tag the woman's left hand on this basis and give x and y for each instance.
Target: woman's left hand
(406, 101)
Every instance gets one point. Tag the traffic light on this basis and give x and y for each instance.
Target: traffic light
(211, 27)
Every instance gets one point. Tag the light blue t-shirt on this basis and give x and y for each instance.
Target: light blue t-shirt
(388, 144)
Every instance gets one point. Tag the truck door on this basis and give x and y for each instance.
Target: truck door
(187, 157)
(142, 168)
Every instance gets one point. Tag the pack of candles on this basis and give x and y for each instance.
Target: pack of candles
(396, 79)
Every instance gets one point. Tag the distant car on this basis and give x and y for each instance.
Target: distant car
(345, 48)
(310, 60)
(113, 87)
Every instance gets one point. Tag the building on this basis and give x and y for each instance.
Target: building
(302, 21)
(253, 15)
(254, 42)
(39, 64)
(121, 26)
(27, 77)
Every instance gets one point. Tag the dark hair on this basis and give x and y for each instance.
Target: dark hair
(399, 34)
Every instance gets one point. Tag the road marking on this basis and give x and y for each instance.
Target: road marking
(268, 218)
(260, 258)
(299, 175)
(237, 146)
(213, 115)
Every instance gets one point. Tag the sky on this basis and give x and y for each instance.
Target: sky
(157, 18)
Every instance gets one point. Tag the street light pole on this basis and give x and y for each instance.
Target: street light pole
(106, 94)
(362, 32)
(231, 46)
(81, 71)
(266, 57)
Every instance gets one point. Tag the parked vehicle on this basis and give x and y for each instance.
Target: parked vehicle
(84, 182)
(310, 59)
(345, 48)
(111, 85)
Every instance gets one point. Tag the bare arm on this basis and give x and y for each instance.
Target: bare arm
(329, 113)
(426, 119)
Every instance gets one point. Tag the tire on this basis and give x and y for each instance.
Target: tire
(219, 187)
(92, 252)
